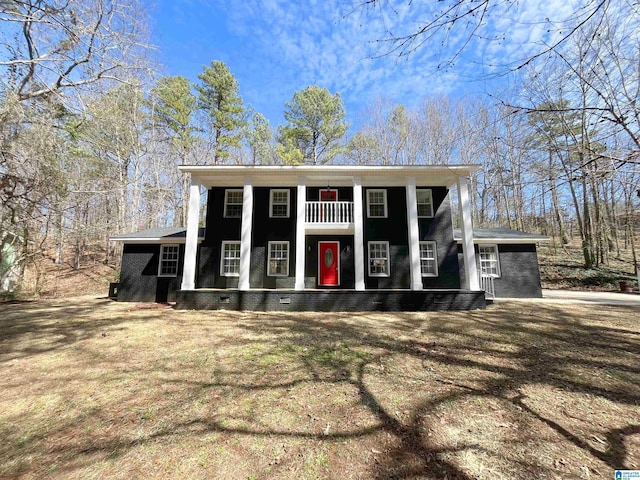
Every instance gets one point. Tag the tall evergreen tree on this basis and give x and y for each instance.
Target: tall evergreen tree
(174, 105)
(219, 98)
(315, 124)
(259, 137)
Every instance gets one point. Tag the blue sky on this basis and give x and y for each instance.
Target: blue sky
(276, 47)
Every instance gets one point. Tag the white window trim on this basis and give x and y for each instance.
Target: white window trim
(226, 202)
(435, 258)
(222, 272)
(369, 259)
(384, 196)
(431, 198)
(269, 274)
(279, 190)
(495, 247)
(162, 248)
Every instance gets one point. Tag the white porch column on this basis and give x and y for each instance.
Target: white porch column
(414, 235)
(191, 243)
(245, 235)
(301, 255)
(472, 282)
(358, 234)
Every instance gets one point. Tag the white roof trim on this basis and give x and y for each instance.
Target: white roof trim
(503, 241)
(287, 175)
(159, 240)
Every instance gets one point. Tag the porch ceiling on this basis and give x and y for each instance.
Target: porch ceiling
(333, 175)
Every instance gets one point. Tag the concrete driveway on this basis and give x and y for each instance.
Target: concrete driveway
(572, 296)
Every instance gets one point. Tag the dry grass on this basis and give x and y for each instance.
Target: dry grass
(563, 267)
(97, 389)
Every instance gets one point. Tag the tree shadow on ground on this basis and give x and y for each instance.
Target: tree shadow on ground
(400, 381)
(36, 327)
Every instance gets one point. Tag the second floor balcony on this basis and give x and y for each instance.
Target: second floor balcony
(329, 215)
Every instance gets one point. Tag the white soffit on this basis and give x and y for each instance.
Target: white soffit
(333, 175)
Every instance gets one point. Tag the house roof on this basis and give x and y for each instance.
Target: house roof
(157, 235)
(500, 235)
(179, 234)
(322, 175)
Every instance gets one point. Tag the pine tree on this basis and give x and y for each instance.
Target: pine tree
(315, 124)
(219, 98)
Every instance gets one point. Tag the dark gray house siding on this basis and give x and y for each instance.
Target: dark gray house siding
(218, 229)
(139, 281)
(267, 230)
(440, 229)
(264, 230)
(519, 271)
(392, 229)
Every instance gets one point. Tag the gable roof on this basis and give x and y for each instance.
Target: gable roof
(157, 235)
(500, 235)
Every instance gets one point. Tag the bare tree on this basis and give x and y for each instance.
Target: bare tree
(55, 45)
(54, 56)
(455, 26)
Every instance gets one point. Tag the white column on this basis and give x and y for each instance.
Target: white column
(245, 235)
(414, 235)
(191, 243)
(358, 234)
(301, 200)
(472, 282)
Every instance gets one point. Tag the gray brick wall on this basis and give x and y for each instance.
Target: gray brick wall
(440, 229)
(332, 300)
(139, 280)
(519, 271)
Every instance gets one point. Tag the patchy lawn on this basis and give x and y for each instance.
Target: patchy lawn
(97, 389)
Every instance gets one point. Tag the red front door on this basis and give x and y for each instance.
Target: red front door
(328, 195)
(329, 263)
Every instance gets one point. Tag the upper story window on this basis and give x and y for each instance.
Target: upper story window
(279, 203)
(425, 202)
(278, 263)
(230, 259)
(489, 262)
(428, 259)
(233, 203)
(168, 266)
(377, 203)
(378, 259)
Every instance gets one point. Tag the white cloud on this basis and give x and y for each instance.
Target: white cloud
(333, 44)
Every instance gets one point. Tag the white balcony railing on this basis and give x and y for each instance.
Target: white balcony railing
(486, 284)
(329, 212)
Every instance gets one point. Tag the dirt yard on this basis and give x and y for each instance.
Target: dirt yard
(97, 389)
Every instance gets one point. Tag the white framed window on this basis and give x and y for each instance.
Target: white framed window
(168, 266)
(378, 259)
(489, 261)
(377, 203)
(278, 260)
(428, 259)
(278, 203)
(230, 259)
(425, 203)
(233, 203)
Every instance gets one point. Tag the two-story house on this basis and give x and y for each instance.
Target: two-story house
(327, 238)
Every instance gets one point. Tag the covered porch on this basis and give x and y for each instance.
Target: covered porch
(320, 217)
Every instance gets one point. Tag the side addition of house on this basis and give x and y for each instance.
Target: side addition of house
(314, 238)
